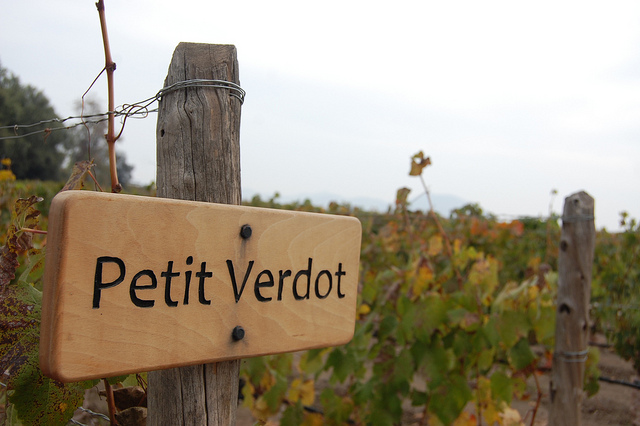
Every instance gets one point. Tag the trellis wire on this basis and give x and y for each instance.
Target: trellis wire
(136, 110)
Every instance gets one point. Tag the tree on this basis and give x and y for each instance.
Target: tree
(50, 155)
(38, 156)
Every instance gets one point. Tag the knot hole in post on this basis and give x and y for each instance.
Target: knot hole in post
(564, 308)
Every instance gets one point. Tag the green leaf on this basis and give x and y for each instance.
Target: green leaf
(33, 272)
(19, 328)
(501, 387)
(436, 363)
(275, 394)
(117, 379)
(490, 331)
(343, 363)
(369, 292)
(403, 369)
(387, 326)
(485, 360)
(293, 415)
(40, 400)
(255, 368)
(434, 313)
(407, 319)
(364, 392)
(520, 355)
(448, 401)
(513, 326)
(419, 398)
(544, 324)
(336, 408)
(312, 361)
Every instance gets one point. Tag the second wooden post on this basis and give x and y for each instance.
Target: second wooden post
(575, 261)
(198, 159)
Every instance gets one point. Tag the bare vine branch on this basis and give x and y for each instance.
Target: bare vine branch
(110, 67)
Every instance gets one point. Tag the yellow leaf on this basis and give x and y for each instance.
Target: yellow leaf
(457, 246)
(425, 273)
(483, 390)
(491, 415)
(301, 391)
(423, 278)
(534, 291)
(293, 394)
(247, 392)
(260, 409)
(313, 419)
(534, 263)
(267, 381)
(308, 392)
(435, 245)
(7, 175)
(419, 162)
(363, 310)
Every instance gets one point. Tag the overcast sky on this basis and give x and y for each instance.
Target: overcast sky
(509, 99)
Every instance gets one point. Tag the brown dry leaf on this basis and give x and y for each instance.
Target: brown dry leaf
(18, 242)
(419, 162)
(79, 173)
(402, 196)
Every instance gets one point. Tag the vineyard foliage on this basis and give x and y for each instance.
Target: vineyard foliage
(454, 314)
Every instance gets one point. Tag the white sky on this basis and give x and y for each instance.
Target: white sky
(510, 99)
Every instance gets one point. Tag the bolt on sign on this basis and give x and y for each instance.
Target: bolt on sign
(139, 283)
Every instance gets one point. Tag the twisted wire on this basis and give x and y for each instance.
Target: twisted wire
(579, 356)
(138, 110)
(234, 90)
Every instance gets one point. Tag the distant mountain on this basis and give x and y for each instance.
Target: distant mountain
(442, 203)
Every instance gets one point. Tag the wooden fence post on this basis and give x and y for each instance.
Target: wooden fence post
(577, 244)
(198, 156)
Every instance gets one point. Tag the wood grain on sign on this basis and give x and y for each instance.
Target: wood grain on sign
(138, 283)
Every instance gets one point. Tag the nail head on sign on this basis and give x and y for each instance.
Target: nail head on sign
(245, 231)
(237, 333)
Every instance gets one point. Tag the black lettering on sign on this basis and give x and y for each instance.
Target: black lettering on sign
(135, 287)
(187, 284)
(232, 274)
(168, 274)
(202, 275)
(302, 273)
(300, 285)
(328, 274)
(283, 275)
(98, 284)
(260, 284)
(339, 274)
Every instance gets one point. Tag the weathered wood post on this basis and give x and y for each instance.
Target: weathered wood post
(577, 244)
(198, 157)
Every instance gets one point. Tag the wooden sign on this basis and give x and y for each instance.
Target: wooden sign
(139, 283)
